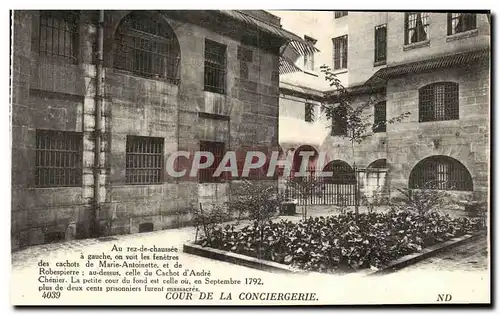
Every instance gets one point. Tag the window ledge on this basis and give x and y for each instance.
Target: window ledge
(340, 71)
(462, 35)
(425, 43)
(379, 63)
(310, 72)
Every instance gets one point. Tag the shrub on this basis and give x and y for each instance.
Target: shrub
(340, 243)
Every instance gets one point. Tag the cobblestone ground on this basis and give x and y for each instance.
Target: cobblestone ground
(472, 256)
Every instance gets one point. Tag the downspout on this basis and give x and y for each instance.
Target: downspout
(98, 123)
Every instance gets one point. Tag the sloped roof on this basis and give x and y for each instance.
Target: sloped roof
(425, 65)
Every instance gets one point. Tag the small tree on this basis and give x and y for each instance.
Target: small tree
(208, 220)
(422, 200)
(358, 126)
(256, 200)
(306, 187)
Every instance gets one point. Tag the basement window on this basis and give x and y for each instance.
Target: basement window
(144, 160)
(58, 161)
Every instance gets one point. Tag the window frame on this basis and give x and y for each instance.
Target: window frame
(339, 128)
(378, 58)
(380, 116)
(153, 55)
(309, 58)
(219, 67)
(343, 50)
(450, 18)
(429, 170)
(141, 143)
(54, 153)
(449, 108)
(70, 18)
(309, 112)
(206, 175)
(424, 18)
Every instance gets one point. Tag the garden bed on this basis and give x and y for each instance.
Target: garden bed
(341, 244)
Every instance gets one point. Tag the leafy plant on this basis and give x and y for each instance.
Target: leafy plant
(422, 200)
(256, 200)
(343, 243)
(209, 220)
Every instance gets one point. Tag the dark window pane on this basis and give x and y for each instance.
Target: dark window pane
(144, 160)
(58, 160)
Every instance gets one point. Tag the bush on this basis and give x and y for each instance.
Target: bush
(341, 243)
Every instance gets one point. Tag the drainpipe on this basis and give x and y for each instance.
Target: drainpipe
(98, 122)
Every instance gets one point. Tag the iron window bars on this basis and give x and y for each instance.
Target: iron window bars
(438, 101)
(218, 150)
(340, 52)
(58, 161)
(380, 43)
(380, 117)
(461, 22)
(215, 67)
(59, 34)
(144, 160)
(416, 27)
(148, 48)
(441, 173)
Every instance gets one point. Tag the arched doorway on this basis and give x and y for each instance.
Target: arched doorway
(297, 161)
(440, 172)
(340, 188)
(373, 180)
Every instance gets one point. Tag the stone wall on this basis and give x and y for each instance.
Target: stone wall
(57, 95)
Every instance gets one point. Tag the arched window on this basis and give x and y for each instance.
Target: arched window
(442, 173)
(438, 101)
(381, 163)
(343, 173)
(147, 46)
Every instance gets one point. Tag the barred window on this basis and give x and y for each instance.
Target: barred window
(309, 112)
(218, 150)
(309, 58)
(340, 52)
(148, 47)
(343, 173)
(59, 34)
(339, 14)
(144, 160)
(215, 67)
(416, 27)
(441, 173)
(380, 43)
(461, 22)
(339, 121)
(438, 101)
(58, 159)
(379, 117)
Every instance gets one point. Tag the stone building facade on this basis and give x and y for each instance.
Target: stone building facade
(434, 66)
(164, 81)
